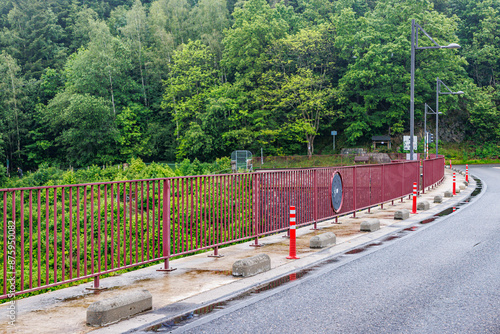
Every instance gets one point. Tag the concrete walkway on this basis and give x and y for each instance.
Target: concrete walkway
(200, 280)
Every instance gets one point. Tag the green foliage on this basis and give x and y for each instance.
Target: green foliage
(100, 82)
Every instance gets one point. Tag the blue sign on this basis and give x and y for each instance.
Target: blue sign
(334, 133)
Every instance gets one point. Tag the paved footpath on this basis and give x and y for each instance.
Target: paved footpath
(201, 281)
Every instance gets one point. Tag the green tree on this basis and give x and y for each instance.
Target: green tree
(33, 37)
(136, 34)
(11, 94)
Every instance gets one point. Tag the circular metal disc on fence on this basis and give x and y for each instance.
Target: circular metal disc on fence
(337, 193)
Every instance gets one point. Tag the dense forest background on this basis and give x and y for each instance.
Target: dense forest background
(102, 81)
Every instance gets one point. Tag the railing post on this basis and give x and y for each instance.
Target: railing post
(256, 207)
(166, 226)
(403, 183)
(383, 187)
(315, 199)
(354, 190)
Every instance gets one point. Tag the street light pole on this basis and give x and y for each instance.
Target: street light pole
(415, 27)
(437, 118)
(438, 91)
(425, 132)
(427, 107)
(412, 88)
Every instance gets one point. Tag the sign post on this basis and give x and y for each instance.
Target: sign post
(334, 133)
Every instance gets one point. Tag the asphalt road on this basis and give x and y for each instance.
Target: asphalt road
(442, 278)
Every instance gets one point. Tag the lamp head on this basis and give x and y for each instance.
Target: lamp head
(452, 46)
(459, 92)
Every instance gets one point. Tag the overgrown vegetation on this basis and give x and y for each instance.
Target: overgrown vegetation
(135, 170)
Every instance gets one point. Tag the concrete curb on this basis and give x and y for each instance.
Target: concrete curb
(108, 311)
(252, 266)
(370, 225)
(323, 240)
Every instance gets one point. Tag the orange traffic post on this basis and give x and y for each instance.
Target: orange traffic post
(293, 235)
(454, 185)
(414, 210)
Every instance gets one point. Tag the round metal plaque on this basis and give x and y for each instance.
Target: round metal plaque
(337, 194)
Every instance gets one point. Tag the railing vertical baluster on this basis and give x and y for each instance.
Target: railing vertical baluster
(147, 218)
(153, 220)
(31, 239)
(92, 248)
(142, 221)
(205, 207)
(39, 238)
(106, 226)
(136, 224)
(130, 222)
(178, 221)
(63, 237)
(5, 242)
(192, 224)
(55, 235)
(354, 190)
(183, 215)
(159, 221)
(99, 252)
(47, 236)
(112, 226)
(118, 226)
(124, 246)
(21, 285)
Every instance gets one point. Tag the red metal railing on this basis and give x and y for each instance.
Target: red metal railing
(433, 170)
(60, 234)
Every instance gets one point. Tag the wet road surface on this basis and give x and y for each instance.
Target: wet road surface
(440, 277)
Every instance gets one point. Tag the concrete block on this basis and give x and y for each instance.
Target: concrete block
(402, 214)
(457, 190)
(252, 266)
(370, 225)
(466, 183)
(438, 199)
(462, 187)
(448, 193)
(323, 240)
(423, 205)
(111, 310)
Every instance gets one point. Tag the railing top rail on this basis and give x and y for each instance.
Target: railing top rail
(199, 176)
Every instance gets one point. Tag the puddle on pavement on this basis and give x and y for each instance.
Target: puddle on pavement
(191, 316)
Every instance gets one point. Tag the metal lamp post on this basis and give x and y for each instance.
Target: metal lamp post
(415, 27)
(425, 125)
(439, 92)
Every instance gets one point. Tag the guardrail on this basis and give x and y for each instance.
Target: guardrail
(59, 234)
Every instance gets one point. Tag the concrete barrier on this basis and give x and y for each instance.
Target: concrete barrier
(111, 310)
(462, 187)
(438, 199)
(252, 266)
(370, 225)
(466, 183)
(448, 193)
(423, 205)
(402, 214)
(323, 240)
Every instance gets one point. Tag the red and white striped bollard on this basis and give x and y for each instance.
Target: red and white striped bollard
(454, 185)
(293, 235)
(414, 210)
(450, 163)
(466, 173)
